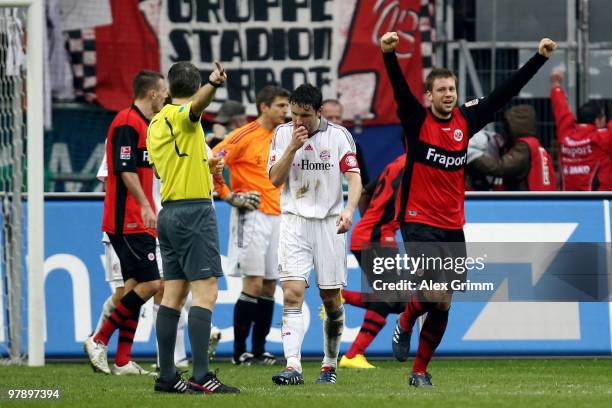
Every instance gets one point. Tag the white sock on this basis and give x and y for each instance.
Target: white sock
(292, 334)
(155, 310)
(179, 348)
(107, 310)
(332, 334)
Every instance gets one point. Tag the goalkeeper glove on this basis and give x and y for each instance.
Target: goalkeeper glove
(248, 200)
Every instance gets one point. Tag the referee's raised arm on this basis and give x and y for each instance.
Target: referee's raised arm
(205, 94)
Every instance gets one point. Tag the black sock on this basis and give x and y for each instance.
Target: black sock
(244, 313)
(199, 336)
(165, 327)
(262, 324)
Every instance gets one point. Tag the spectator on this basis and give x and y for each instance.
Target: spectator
(481, 144)
(585, 145)
(526, 166)
(231, 115)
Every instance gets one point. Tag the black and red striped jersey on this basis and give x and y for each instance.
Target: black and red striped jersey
(378, 225)
(126, 151)
(433, 187)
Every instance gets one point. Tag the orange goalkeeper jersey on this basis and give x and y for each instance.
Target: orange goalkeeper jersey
(246, 152)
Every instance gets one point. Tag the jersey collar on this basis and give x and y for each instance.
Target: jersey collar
(134, 107)
(322, 127)
(437, 119)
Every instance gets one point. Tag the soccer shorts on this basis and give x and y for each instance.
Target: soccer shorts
(305, 244)
(112, 267)
(253, 244)
(434, 243)
(189, 240)
(137, 256)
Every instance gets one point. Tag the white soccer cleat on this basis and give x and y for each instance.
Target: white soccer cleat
(97, 355)
(183, 363)
(130, 368)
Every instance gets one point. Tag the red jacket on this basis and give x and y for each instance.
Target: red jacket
(585, 151)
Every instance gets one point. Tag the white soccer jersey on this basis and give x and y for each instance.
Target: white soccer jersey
(314, 186)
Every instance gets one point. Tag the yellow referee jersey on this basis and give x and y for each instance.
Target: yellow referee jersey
(177, 149)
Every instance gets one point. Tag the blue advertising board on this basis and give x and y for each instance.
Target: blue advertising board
(75, 287)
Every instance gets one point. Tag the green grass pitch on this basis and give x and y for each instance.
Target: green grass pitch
(458, 383)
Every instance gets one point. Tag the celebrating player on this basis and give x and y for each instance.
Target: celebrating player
(309, 156)
(187, 227)
(130, 221)
(254, 227)
(431, 199)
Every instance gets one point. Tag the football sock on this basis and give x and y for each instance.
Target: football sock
(262, 323)
(292, 334)
(165, 327)
(107, 309)
(332, 333)
(353, 298)
(199, 337)
(244, 313)
(155, 311)
(126, 339)
(179, 348)
(414, 309)
(373, 322)
(431, 335)
(129, 306)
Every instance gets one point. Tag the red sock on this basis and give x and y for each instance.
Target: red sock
(414, 309)
(115, 321)
(372, 324)
(431, 336)
(126, 339)
(354, 298)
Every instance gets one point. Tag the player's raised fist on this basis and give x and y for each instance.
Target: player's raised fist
(546, 47)
(389, 41)
(218, 76)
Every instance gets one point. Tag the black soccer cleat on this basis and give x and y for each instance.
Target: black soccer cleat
(327, 375)
(400, 342)
(420, 380)
(265, 358)
(211, 385)
(176, 386)
(289, 376)
(245, 359)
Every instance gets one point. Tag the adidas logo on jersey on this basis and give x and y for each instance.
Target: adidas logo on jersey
(308, 165)
(308, 147)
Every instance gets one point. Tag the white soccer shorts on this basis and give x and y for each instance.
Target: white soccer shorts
(307, 243)
(253, 244)
(112, 266)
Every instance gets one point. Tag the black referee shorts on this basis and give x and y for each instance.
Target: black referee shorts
(136, 253)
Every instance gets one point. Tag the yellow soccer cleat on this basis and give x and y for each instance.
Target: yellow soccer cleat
(359, 361)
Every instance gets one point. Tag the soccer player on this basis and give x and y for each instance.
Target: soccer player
(332, 110)
(130, 221)
(585, 145)
(431, 199)
(374, 236)
(187, 228)
(309, 156)
(254, 226)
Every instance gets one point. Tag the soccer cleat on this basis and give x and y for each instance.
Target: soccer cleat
(359, 361)
(176, 386)
(182, 363)
(289, 376)
(215, 337)
(245, 359)
(97, 353)
(400, 342)
(420, 380)
(327, 375)
(212, 385)
(265, 359)
(130, 368)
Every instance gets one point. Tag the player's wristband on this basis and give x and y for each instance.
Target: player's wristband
(213, 84)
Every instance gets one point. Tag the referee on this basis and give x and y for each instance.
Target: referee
(187, 226)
